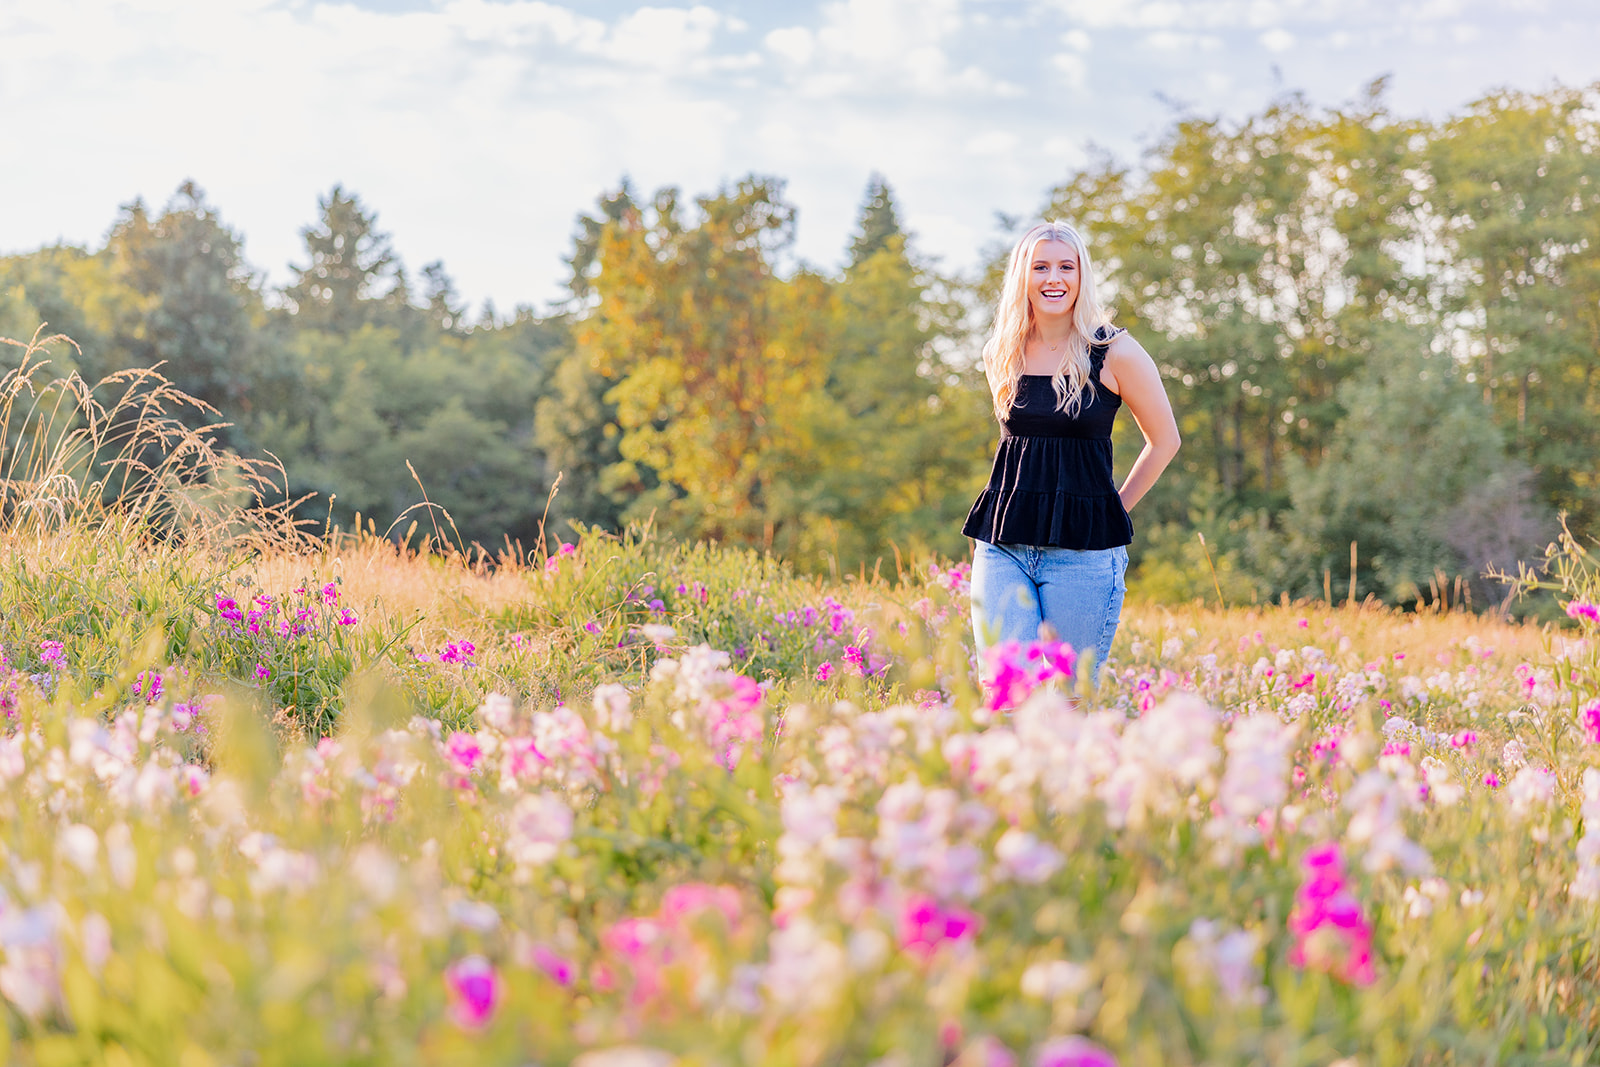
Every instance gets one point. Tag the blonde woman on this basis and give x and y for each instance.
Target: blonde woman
(1051, 526)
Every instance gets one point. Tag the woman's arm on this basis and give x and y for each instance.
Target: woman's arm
(1130, 372)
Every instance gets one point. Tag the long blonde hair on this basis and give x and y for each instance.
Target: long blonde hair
(1003, 352)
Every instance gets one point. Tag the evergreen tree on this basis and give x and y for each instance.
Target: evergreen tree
(879, 223)
(198, 313)
(352, 268)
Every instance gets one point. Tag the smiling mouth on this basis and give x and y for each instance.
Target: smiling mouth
(1052, 293)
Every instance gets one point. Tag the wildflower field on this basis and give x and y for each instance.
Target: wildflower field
(276, 799)
(639, 801)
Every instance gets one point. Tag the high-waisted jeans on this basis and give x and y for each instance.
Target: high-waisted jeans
(1078, 592)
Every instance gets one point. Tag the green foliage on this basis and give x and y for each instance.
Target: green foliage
(1417, 478)
(1272, 265)
(352, 267)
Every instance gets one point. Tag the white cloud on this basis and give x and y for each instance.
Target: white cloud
(479, 128)
(1073, 66)
(794, 43)
(1277, 40)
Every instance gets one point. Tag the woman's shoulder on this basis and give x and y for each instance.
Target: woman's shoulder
(1118, 343)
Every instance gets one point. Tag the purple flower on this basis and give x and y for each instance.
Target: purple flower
(52, 653)
(263, 672)
(330, 593)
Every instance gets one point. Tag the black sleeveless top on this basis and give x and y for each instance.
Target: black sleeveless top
(1052, 485)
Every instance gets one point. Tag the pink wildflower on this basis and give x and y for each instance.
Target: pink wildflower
(148, 686)
(458, 652)
(474, 990)
(694, 897)
(263, 672)
(51, 654)
(1464, 739)
(558, 968)
(330, 593)
(1589, 718)
(463, 750)
(1397, 748)
(348, 618)
(924, 925)
(1491, 779)
(1578, 609)
(825, 671)
(1331, 934)
(1073, 1051)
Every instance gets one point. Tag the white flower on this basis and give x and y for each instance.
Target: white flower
(1230, 955)
(1256, 779)
(611, 707)
(539, 825)
(1533, 786)
(1377, 801)
(1513, 754)
(376, 873)
(80, 846)
(474, 915)
(1586, 886)
(804, 968)
(1026, 858)
(1050, 979)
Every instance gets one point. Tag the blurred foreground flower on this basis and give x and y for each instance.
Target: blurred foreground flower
(475, 991)
(1331, 934)
(1073, 1051)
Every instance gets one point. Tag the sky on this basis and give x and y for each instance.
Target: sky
(479, 129)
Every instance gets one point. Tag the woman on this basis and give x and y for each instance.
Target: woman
(1051, 526)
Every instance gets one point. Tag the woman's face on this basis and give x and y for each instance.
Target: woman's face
(1053, 280)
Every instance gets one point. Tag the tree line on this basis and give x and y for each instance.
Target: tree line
(1381, 336)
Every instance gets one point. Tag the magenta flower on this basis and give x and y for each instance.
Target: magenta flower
(348, 618)
(464, 751)
(558, 968)
(1331, 934)
(825, 671)
(1464, 739)
(1073, 1051)
(51, 654)
(1589, 717)
(1491, 779)
(263, 672)
(458, 652)
(925, 925)
(1578, 609)
(147, 685)
(474, 990)
(330, 593)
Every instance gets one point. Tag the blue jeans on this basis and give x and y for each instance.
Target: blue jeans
(1079, 592)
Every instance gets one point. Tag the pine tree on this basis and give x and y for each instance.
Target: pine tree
(879, 223)
(352, 267)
